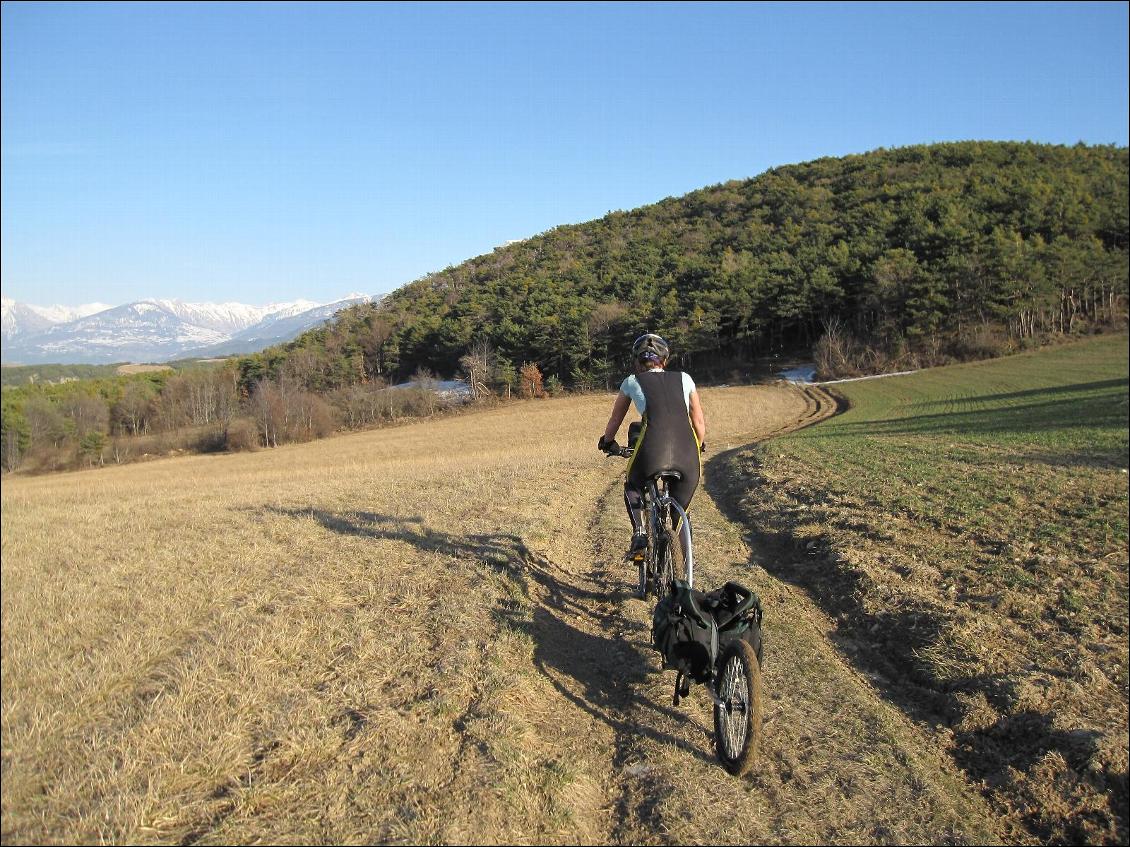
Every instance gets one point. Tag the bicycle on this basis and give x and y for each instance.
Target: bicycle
(732, 678)
(669, 554)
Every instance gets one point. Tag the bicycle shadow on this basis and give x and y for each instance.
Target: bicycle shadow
(612, 672)
(602, 674)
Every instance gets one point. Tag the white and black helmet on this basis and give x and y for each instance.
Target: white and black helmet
(650, 347)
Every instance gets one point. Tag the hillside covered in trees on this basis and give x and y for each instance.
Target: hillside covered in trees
(933, 252)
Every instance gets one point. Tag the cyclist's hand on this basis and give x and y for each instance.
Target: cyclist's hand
(702, 447)
(609, 446)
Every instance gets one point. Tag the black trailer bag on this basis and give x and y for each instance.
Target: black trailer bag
(690, 629)
(684, 634)
(737, 612)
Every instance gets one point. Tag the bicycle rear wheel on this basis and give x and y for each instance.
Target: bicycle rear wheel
(678, 554)
(664, 562)
(737, 711)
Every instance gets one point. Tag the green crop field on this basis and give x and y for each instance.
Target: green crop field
(938, 445)
(967, 526)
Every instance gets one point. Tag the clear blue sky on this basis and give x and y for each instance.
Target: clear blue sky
(269, 152)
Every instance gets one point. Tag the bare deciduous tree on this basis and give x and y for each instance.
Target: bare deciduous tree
(45, 422)
(87, 414)
(269, 409)
(480, 364)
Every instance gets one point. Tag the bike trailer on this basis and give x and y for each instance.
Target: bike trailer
(691, 629)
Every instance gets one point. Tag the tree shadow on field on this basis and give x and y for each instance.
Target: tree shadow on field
(601, 671)
(1097, 405)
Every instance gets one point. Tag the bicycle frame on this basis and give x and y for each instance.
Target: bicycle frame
(657, 501)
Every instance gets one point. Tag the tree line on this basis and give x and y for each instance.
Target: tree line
(120, 419)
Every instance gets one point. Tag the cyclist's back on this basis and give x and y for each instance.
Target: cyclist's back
(674, 429)
(667, 442)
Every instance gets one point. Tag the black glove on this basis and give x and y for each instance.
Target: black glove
(608, 446)
(702, 447)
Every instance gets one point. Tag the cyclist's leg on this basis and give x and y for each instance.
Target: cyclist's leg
(633, 500)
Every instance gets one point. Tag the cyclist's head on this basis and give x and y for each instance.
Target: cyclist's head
(650, 350)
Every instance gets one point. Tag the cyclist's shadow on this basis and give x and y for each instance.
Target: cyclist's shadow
(609, 680)
(608, 672)
(603, 668)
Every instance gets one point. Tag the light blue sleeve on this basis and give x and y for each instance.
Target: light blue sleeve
(631, 387)
(688, 389)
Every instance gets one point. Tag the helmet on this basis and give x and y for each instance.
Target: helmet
(650, 347)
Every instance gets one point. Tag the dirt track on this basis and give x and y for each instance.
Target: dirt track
(423, 634)
(838, 764)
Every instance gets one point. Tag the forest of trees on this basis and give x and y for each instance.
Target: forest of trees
(928, 251)
(911, 256)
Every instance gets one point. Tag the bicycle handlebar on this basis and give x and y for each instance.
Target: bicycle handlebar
(628, 452)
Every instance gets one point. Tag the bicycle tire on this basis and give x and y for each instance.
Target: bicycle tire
(662, 581)
(678, 555)
(737, 719)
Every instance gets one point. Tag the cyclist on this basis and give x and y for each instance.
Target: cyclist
(673, 434)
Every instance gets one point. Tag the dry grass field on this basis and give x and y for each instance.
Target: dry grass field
(420, 634)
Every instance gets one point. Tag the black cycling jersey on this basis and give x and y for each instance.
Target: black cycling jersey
(667, 442)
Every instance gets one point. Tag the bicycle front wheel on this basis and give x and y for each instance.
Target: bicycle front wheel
(737, 711)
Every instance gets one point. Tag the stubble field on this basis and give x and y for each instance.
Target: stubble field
(421, 634)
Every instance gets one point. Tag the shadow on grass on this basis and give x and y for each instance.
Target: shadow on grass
(1051, 391)
(608, 670)
(889, 645)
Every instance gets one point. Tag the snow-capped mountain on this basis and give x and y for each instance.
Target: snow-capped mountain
(280, 326)
(23, 318)
(232, 317)
(159, 330)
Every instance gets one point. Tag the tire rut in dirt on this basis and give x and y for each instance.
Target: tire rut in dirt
(869, 775)
(594, 657)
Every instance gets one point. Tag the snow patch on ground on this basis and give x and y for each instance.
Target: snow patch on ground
(806, 375)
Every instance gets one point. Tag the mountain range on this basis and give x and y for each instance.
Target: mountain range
(154, 330)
